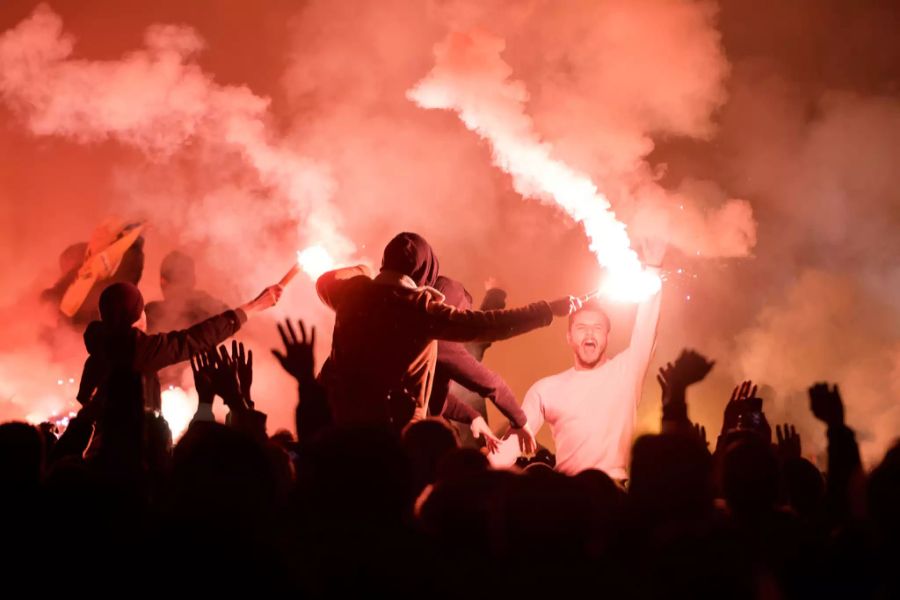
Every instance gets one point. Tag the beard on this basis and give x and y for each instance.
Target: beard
(590, 356)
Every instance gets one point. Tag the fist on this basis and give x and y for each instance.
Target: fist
(565, 306)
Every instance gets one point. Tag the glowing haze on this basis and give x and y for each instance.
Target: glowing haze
(471, 78)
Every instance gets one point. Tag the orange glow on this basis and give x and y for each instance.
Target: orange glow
(178, 408)
(315, 260)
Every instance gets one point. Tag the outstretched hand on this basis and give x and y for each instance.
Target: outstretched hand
(225, 380)
(826, 404)
(268, 298)
(689, 368)
(788, 441)
(243, 362)
(203, 368)
(480, 429)
(737, 404)
(298, 357)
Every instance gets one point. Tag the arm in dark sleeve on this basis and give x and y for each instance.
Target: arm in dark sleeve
(494, 299)
(457, 410)
(153, 352)
(443, 322)
(843, 464)
(461, 367)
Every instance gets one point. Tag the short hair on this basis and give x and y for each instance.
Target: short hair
(592, 305)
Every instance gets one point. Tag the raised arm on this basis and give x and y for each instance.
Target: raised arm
(460, 366)
(643, 335)
(156, 351)
(443, 322)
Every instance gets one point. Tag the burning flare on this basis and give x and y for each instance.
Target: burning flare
(472, 79)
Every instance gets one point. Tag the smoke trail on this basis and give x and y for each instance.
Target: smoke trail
(470, 77)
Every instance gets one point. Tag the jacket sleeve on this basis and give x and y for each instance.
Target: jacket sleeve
(153, 352)
(443, 322)
(455, 361)
(457, 410)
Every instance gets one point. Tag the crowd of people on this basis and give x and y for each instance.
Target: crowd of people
(373, 494)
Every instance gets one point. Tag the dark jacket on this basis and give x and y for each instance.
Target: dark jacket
(384, 346)
(456, 363)
(146, 354)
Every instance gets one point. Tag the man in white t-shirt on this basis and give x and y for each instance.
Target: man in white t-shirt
(591, 408)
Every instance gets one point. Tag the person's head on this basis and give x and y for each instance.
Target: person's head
(72, 257)
(21, 455)
(121, 305)
(750, 476)
(409, 254)
(588, 334)
(176, 274)
(426, 442)
(455, 293)
(671, 478)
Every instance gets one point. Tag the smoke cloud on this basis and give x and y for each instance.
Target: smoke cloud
(758, 138)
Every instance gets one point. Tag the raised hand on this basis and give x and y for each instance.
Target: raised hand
(243, 362)
(266, 299)
(700, 433)
(527, 441)
(225, 380)
(203, 367)
(691, 367)
(788, 441)
(298, 358)
(480, 429)
(826, 404)
(737, 404)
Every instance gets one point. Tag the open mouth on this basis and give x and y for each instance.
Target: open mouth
(589, 345)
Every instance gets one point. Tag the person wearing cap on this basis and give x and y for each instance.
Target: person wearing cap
(384, 349)
(591, 408)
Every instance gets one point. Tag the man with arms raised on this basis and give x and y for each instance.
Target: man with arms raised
(591, 408)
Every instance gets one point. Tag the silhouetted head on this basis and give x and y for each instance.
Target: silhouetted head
(72, 257)
(121, 305)
(176, 274)
(455, 293)
(588, 334)
(671, 477)
(805, 486)
(21, 456)
(750, 476)
(410, 255)
(426, 443)
(883, 494)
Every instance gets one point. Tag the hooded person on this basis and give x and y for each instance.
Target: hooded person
(182, 304)
(384, 349)
(116, 343)
(455, 363)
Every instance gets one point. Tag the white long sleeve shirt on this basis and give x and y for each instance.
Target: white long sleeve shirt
(591, 413)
